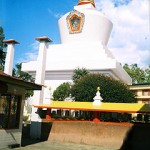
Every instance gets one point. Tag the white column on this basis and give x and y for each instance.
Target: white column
(8, 69)
(40, 72)
(35, 131)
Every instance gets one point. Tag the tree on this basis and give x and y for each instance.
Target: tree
(62, 91)
(16, 72)
(2, 46)
(147, 72)
(78, 74)
(138, 74)
(24, 76)
(111, 90)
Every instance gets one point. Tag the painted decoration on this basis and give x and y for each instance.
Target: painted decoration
(75, 21)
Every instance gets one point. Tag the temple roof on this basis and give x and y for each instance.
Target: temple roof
(82, 2)
(104, 107)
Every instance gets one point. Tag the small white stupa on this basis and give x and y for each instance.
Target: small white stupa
(97, 99)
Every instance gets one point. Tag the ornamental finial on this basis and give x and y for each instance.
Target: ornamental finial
(98, 88)
(97, 99)
(82, 2)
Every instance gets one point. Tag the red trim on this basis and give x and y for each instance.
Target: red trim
(96, 117)
(48, 114)
(43, 38)
(11, 41)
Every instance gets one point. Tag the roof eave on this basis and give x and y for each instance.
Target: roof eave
(19, 82)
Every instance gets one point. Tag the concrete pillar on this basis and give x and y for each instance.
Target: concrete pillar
(35, 131)
(8, 69)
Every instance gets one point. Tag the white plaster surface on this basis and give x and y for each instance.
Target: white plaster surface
(9, 59)
(97, 27)
(61, 58)
(87, 49)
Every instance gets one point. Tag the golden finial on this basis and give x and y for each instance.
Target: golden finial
(82, 2)
(98, 88)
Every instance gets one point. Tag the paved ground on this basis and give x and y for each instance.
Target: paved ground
(58, 146)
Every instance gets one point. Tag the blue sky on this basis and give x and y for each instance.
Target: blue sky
(24, 20)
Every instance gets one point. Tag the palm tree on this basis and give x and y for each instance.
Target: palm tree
(78, 74)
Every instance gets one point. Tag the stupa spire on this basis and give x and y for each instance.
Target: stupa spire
(82, 2)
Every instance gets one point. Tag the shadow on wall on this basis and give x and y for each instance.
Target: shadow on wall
(138, 137)
(45, 130)
(27, 140)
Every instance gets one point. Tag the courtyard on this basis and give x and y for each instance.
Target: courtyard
(47, 145)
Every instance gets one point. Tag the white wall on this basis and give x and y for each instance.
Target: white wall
(97, 27)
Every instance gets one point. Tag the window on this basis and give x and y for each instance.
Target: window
(136, 93)
(146, 93)
(10, 111)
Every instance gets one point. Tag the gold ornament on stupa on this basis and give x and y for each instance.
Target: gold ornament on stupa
(98, 88)
(82, 2)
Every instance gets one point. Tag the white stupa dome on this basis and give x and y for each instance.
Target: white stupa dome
(92, 25)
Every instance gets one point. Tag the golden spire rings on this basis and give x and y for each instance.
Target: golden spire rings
(82, 2)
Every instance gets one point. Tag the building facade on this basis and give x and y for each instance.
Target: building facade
(142, 92)
(12, 99)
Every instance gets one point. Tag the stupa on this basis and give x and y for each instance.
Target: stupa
(84, 34)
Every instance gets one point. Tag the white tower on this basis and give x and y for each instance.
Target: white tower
(35, 131)
(9, 56)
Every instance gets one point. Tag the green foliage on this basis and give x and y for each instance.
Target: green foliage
(138, 74)
(25, 118)
(78, 74)
(29, 93)
(111, 89)
(62, 91)
(24, 76)
(147, 74)
(1, 67)
(2, 46)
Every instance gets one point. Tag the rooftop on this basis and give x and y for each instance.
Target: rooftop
(19, 82)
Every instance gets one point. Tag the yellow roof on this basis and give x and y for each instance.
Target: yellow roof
(104, 107)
